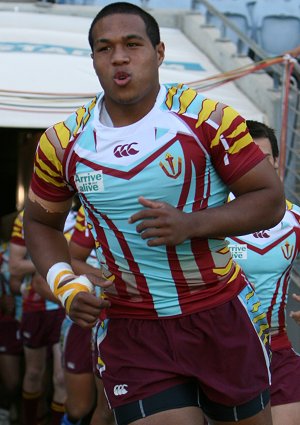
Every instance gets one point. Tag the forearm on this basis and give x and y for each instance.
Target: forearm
(81, 267)
(243, 215)
(46, 246)
(259, 204)
(44, 237)
(49, 251)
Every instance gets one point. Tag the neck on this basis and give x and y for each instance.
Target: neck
(123, 114)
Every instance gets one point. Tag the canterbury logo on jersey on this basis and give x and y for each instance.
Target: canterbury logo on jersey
(125, 150)
(120, 389)
(92, 181)
(238, 251)
(261, 234)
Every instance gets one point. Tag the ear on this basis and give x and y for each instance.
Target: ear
(276, 163)
(160, 49)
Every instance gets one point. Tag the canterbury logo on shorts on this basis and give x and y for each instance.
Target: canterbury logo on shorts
(120, 389)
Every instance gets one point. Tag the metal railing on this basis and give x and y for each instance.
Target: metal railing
(291, 175)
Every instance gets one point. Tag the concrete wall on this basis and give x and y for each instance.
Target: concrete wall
(223, 53)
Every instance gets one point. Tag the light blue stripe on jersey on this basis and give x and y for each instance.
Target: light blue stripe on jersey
(266, 259)
(258, 318)
(147, 169)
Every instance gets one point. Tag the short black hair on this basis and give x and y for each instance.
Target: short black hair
(258, 130)
(152, 28)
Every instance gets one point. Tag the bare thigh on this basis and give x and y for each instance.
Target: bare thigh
(287, 414)
(185, 415)
(80, 393)
(10, 371)
(102, 414)
(262, 418)
(194, 416)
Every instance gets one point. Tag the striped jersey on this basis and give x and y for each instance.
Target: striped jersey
(185, 151)
(32, 301)
(83, 237)
(267, 258)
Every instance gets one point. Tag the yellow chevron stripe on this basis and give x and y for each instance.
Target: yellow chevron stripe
(240, 144)
(186, 99)
(208, 107)
(222, 271)
(236, 272)
(47, 179)
(64, 134)
(259, 317)
(255, 307)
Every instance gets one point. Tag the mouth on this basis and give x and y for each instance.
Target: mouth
(122, 78)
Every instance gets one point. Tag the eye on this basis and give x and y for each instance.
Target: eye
(103, 49)
(132, 44)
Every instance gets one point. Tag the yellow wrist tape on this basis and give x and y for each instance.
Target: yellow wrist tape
(57, 273)
(60, 272)
(67, 291)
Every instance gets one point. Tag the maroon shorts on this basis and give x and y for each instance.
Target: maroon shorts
(77, 349)
(225, 350)
(10, 338)
(285, 370)
(41, 328)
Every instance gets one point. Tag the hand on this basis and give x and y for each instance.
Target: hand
(99, 280)
(296, 314)
(86, 307)
(161, 223)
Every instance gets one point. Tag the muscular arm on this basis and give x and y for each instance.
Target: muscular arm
(47, 246)
(79, 255)
(259, 204)
(44, 236)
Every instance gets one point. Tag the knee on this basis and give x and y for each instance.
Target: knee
(79, 409)
(58, 380)
(34, 375)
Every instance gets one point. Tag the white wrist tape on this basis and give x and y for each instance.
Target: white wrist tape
(57, 273)
(66, 292)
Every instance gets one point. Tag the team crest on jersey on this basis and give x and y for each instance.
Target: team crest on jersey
(287, 250)
(89, 182)
(238, 251)
(171, 169)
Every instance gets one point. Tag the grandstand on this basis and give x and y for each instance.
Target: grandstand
(228, 49)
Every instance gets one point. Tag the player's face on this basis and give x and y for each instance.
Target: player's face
(265, 146)
(125, 61)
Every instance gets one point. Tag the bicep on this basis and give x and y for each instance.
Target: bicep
(260, 177)
(52, 215)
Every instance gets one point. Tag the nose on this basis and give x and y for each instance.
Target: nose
(119, 56)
